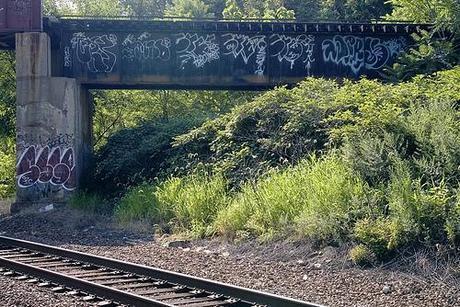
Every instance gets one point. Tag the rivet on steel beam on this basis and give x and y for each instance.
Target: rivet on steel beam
(317, 27)
(284, 27)
(340, 28)
(305, 27)
(373, 28)
(295, 28)
(362, 28)
(328, 28)
(351, 28)
(407, 29)
(384, 28)
(250, 27)
(395, 27)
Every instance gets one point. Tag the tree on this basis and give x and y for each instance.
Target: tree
(189, 9)
(145, 7)
(437, 49)
(7, 94)
(259, 9)
(83, 7)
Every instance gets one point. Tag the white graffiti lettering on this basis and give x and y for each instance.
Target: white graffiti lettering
(67, 57)
(95, 51)
(359, 53)
(196, 49)
(142, 48)
(244, 46)
(291, 49)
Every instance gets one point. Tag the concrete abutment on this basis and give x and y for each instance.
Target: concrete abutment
(54, 136)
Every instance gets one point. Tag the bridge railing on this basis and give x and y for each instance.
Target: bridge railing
(271, 20)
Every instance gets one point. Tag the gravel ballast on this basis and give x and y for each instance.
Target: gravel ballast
(281, 268)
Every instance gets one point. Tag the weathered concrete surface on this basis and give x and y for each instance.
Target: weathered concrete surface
(53, 127)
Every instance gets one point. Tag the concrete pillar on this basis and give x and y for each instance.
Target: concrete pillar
(53, 127)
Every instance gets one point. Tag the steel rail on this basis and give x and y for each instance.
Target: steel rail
(249, 295)
(93, 288)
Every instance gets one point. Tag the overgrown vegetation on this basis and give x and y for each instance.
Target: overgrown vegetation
(363, 161)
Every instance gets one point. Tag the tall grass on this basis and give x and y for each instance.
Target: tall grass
(319, 198)
(187, 204)
(193, 201)
(90, 203)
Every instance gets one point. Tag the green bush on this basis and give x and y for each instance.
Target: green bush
(436, 127)
(422, 211)
(453, 223)
(362, 255)
(373, 154)
(136, 155)
(381, 236)
(7, 167)
(278, 128)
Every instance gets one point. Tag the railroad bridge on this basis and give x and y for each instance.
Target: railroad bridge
(58, 60)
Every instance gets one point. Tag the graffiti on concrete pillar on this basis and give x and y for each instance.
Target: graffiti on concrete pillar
(197, 50)
(54, 165)
(359, 53)
(95, 51)
(293, 48)
(142, 48)
(244, 46)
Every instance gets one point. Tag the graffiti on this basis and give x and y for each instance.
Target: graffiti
(94, 51)
(245, 46)
(291, 49)
(47, 165)
(197, 50)
(20, 7)
(60, 140)
(142, 49)
(359, 53)
(67, 57)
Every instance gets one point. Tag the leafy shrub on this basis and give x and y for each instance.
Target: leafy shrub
(7, 167)
(362, 255)
(436, 127)
(133, 156)
(381, 235)
(422, 212)
(372, 154)
(453, 223)
(278, 128)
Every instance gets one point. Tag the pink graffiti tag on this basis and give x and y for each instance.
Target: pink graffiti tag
(45, 165)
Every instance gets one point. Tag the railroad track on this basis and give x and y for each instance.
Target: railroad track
(112, 282)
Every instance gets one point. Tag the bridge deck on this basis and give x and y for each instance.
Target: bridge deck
(124, 53)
